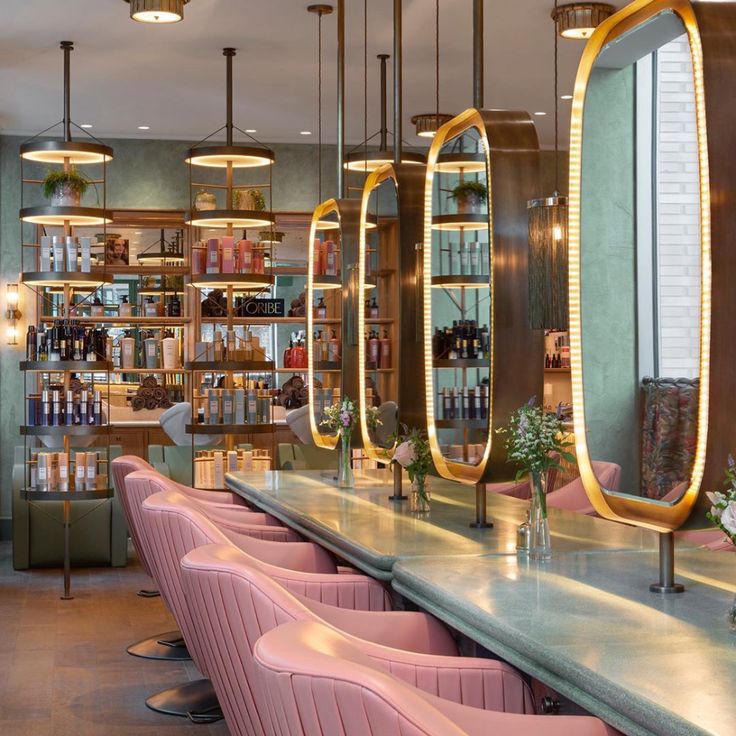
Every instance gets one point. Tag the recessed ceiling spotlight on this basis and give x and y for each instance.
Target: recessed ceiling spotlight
(86, 125)
(565, 97)
(144, 127)
(540, 113)
(305, 132)
(139, 232)
(250, 130)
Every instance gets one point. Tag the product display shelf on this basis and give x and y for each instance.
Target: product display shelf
(132, 321)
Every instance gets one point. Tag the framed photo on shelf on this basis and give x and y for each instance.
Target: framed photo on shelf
(117, 251)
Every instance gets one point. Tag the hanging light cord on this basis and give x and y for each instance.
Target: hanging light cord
(365, 78)
(437, 63)
(319, 104)
(557, 126)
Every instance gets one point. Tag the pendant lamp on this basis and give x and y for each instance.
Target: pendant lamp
(157, 11)
(579, 20)
(548, 244)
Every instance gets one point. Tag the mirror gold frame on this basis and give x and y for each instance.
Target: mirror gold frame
(656, 515)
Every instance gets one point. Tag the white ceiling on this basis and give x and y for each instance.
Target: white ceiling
(126, 74)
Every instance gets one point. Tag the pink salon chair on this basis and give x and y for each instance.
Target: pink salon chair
(318, 682)
(221, 507)
(572, 497)
(234, 601)
(173, 525)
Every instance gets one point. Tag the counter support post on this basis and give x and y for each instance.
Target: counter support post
(398, 494)
(481, 521)
(67, 553)
(667, 582)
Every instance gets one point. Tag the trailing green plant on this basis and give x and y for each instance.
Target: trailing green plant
(476, 189)
(57, 179)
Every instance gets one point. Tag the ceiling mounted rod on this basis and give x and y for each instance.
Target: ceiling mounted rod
(67, 47)
(398, 91)
(384, 125)
(478, 54)
(229, 53)
(340, 97)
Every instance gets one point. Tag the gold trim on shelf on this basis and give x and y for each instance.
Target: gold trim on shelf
(659, 516)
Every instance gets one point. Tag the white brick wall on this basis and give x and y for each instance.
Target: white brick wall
(678, 214)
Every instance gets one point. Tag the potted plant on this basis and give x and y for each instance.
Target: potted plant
(205, 201)
(535, 443)
(723, 514)
(469, 196)
(413, 453)
(249, 199)
(65, 188)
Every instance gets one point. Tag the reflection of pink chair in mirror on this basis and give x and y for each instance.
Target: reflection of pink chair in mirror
(318, 682)
(572, 497)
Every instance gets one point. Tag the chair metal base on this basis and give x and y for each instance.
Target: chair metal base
(194, 700)
(168, 646)
(148, 593)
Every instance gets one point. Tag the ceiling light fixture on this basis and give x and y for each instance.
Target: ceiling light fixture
(427, 124)
(144, 127)
(305, 132)
(565, 97)
(579, 20)
(548, 241)
(251, 130)
(85, 125)
(157, 11)
(540, 113)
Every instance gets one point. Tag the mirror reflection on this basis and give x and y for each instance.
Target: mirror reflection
(640, 262)
(461, 299)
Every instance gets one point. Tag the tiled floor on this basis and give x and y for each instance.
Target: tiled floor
(64, 670)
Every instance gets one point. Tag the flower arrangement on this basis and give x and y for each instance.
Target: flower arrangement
(413, 453)
(536, 439)
(340, 418)
(723, 511)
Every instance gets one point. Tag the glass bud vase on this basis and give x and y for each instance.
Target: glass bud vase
(540, 543)
(345, 477)
(419, 501)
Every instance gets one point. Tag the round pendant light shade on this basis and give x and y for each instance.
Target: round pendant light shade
(427, 124)
(157, 11)
(579, 20)
(367, 163)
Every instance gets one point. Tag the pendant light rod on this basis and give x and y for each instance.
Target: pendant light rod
(340, 98)
(384, 125)
(398, 91)
(229, 53)
(478, 54)
(67, 47)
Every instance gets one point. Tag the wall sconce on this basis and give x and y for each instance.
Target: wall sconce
(12, 313)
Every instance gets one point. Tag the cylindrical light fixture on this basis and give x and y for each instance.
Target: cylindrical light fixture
(548, 252)
(157, 11)
(579, 20)
(12, 313)
(427, 124)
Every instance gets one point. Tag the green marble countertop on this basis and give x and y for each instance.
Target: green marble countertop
(587, 625)
(372, 533)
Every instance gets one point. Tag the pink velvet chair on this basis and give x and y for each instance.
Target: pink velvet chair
(234, 601)
(221, 508)
(318, 682)
(173, 524)
(572, 497)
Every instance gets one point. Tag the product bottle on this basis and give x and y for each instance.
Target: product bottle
(97, 407)
(252, 406)
(287, 354)
(248, 345)
(83, 403)
(70, 247)
(63, 466)
(213, 255)
(126, 308)
(91, 475)
(374, 347)
(385, 351)
(85, 247)
(333, 348)
(331, 259)
(246, 256)
(127, 351)
(173, 307)
(31, 343)
(44, 258)
(298, 355)
(321, 309)
(464, 266)
(373, 310)
(475, 259)
(57, 246)
(150, 349)
(219, 346)
(231, 343)
(97, 309)
(228, 255)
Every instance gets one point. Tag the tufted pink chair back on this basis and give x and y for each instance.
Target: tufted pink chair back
(319, 683)
(234, 603)
(121, 468)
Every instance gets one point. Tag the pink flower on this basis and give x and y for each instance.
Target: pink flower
(404, 454)
(728, 518)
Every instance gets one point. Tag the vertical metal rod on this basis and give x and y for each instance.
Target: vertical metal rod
(340, 97)
(478, 54)
(66, 47)
(384, 126)
(67, 552)
(481, 518)
(398, 494)
(398, 89)
(228, 53)
(666, 582)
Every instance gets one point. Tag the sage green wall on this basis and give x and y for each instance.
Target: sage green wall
(144, 174)
(608, 273)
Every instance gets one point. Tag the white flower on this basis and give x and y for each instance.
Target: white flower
(728, 518)
(404, 454)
